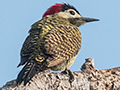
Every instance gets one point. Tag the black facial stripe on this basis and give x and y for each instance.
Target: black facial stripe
(67, 6)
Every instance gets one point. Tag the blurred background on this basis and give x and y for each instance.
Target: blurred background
(100, 40)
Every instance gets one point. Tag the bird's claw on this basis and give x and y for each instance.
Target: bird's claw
(70, 73)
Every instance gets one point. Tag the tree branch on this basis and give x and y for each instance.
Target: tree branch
(87, 79)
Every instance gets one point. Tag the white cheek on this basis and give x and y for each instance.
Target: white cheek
(75, 16)
(68, 15)
(63, 14)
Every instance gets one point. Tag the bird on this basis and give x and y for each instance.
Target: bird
(53, 42)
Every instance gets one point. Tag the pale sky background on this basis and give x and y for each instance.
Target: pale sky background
(101, 40)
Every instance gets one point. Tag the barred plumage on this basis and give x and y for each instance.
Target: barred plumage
(53, 43)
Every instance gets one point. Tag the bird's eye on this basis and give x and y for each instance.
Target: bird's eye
(72, 12)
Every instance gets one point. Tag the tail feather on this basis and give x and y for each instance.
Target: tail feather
(27, 73)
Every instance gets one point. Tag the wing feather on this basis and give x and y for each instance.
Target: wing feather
(62, 43)
(29, 46)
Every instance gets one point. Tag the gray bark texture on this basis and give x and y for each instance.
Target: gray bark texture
(88, 78)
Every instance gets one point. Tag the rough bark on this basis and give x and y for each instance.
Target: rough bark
(87, 79)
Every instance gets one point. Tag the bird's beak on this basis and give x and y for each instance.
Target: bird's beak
(81, 20)
(88, 19)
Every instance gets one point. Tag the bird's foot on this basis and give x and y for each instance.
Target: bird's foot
(70, 73)
(65, 71)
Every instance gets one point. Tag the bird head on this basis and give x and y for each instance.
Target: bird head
(68, 12)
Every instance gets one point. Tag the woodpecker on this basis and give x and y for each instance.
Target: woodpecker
(53, 42)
